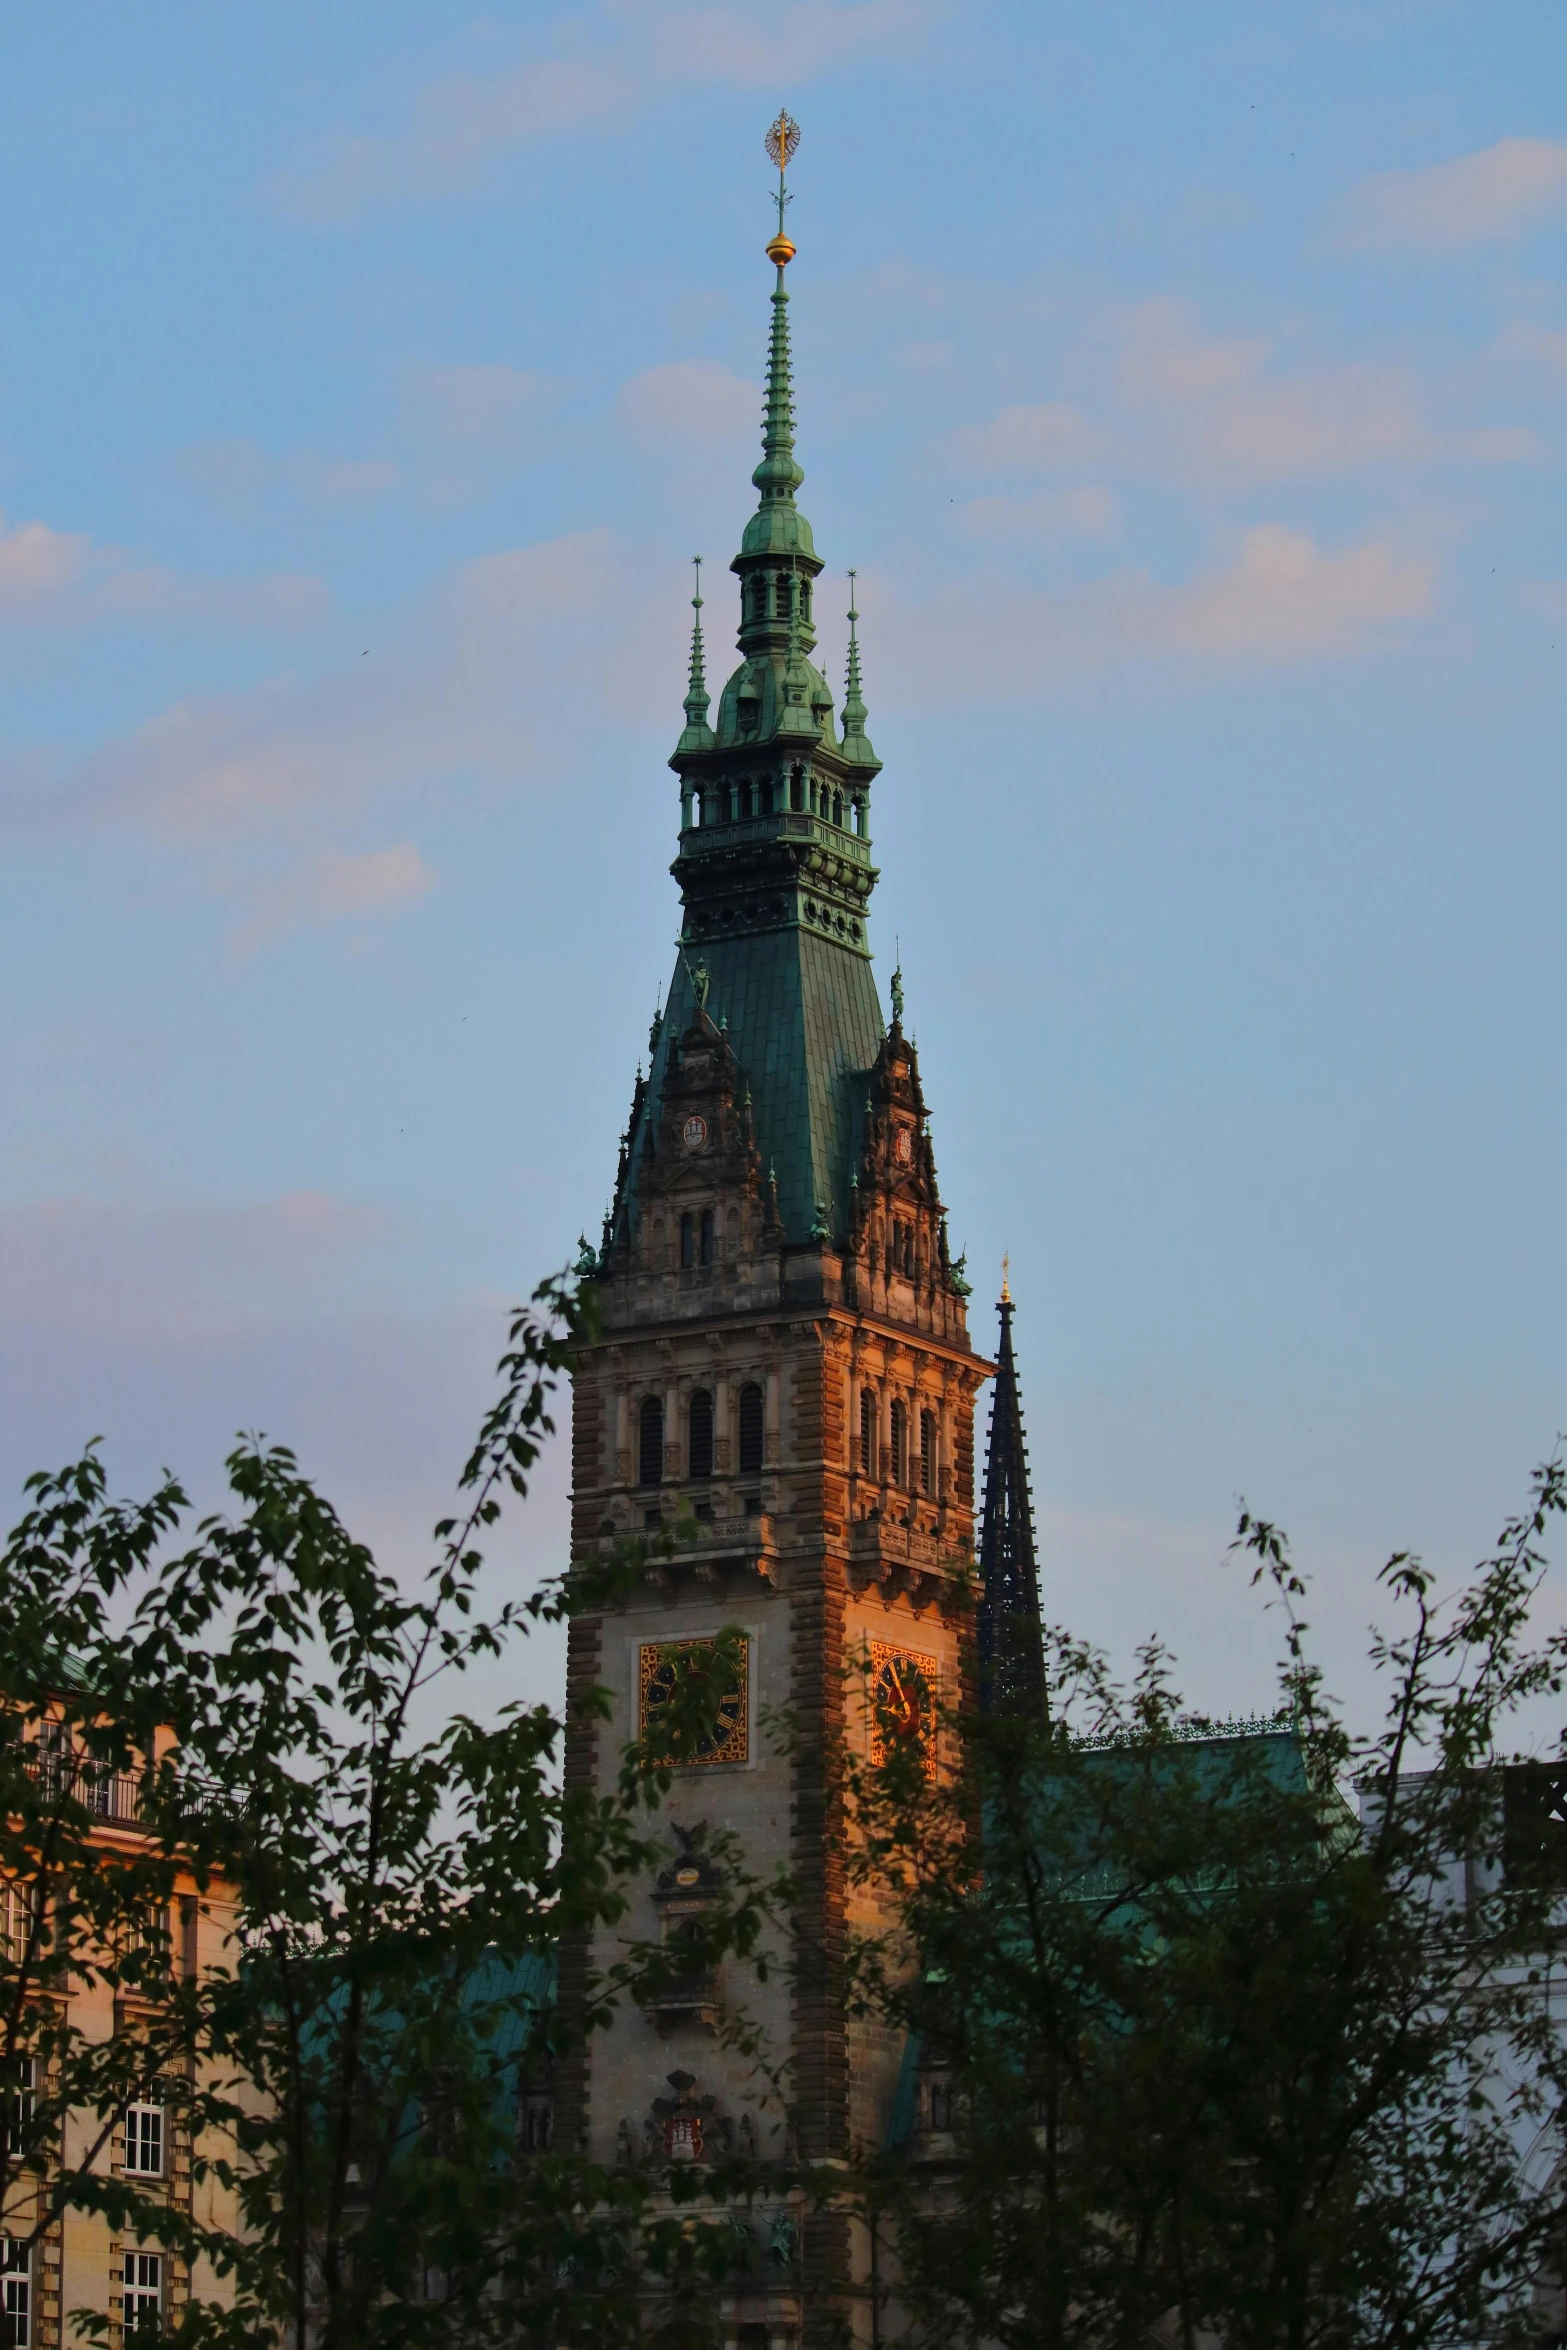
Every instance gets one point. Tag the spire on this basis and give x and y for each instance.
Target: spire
(1011, 1637)
(777, 526)
(698, 735)
(856, 742)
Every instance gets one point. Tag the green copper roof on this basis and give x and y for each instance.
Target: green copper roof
(805, 1023)
(778, 527)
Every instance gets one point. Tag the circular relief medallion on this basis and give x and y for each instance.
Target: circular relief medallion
(694, 1132)
(903, 1148)
(688, 1876)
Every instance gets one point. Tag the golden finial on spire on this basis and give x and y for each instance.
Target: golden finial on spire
(1006, 1292)
(783, 137)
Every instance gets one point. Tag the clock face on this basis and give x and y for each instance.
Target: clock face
(903, 1704)
(728, 1739)
(903, 1147)
(694, 1132)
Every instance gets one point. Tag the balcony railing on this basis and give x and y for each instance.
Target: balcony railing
(111, 1796)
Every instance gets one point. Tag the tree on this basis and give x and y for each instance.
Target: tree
(351, 2076)
(1202, 2052)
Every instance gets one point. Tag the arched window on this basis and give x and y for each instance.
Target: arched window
(900, 1442)
(751, 1427)
(701, 1433)
(707, 1236)
(837, 809)
(805, 600)
(650, 1442)
(687, 1239)
(781, 595)
(927, 1452)
(797, 790)
(867, 1433)
(766, 807)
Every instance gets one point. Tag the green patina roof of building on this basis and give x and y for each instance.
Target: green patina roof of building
(803, 1018)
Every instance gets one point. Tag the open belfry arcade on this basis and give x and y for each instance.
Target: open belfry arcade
(782, 1390)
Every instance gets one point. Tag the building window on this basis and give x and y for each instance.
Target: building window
(751, 1429)
(18, 1909)
(837, 809)
(687, 1240)
(701, 1433)
(18, 2104)
(650, 1448)
(707, 1236)
(142, 2293)
(144, 2141)
(867, 1433)
(900, 1443)
(16, 2309)
(927, 1452)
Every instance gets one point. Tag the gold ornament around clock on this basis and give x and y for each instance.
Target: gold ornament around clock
(729, 1739)
(903, 1703)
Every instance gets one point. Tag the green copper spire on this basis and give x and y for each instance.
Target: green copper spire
(777, 527)
(698, 735)
(856, 742)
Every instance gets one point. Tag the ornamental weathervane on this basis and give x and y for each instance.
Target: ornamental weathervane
(783, 137)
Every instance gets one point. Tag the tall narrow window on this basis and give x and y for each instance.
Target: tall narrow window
(142, 2304)
(900, 1443)
(18, 2104)
(867, 1433)
(144, 2140)
(707, 1236)
(751, 1429)
(650, 1447)
(701, 1416)
(927, 1452)
(687, 1239)
(16, 2293)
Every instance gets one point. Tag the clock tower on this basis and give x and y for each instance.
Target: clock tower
(783, 1386)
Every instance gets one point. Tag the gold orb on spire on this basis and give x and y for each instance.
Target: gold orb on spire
(783, 137)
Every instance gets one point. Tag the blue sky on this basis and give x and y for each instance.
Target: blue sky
(1189, 387)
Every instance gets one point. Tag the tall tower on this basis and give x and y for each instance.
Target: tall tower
(784, 1371)
(1011, 1638)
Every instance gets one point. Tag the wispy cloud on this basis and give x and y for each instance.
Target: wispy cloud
(181, 1272)
(1031, 440)
(1086, 513)
(240, 472)
(64, 579)
(1477, 199)
(459, 122)
(1228, 414)
(1281, 599)
(332, 886)
(270, 789)
(690, 399)
(486, 407)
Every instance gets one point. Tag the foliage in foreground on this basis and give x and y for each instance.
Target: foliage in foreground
(1211, 2055)
(347, 2086)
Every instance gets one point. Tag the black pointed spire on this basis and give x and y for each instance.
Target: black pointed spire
(1011, 1635)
